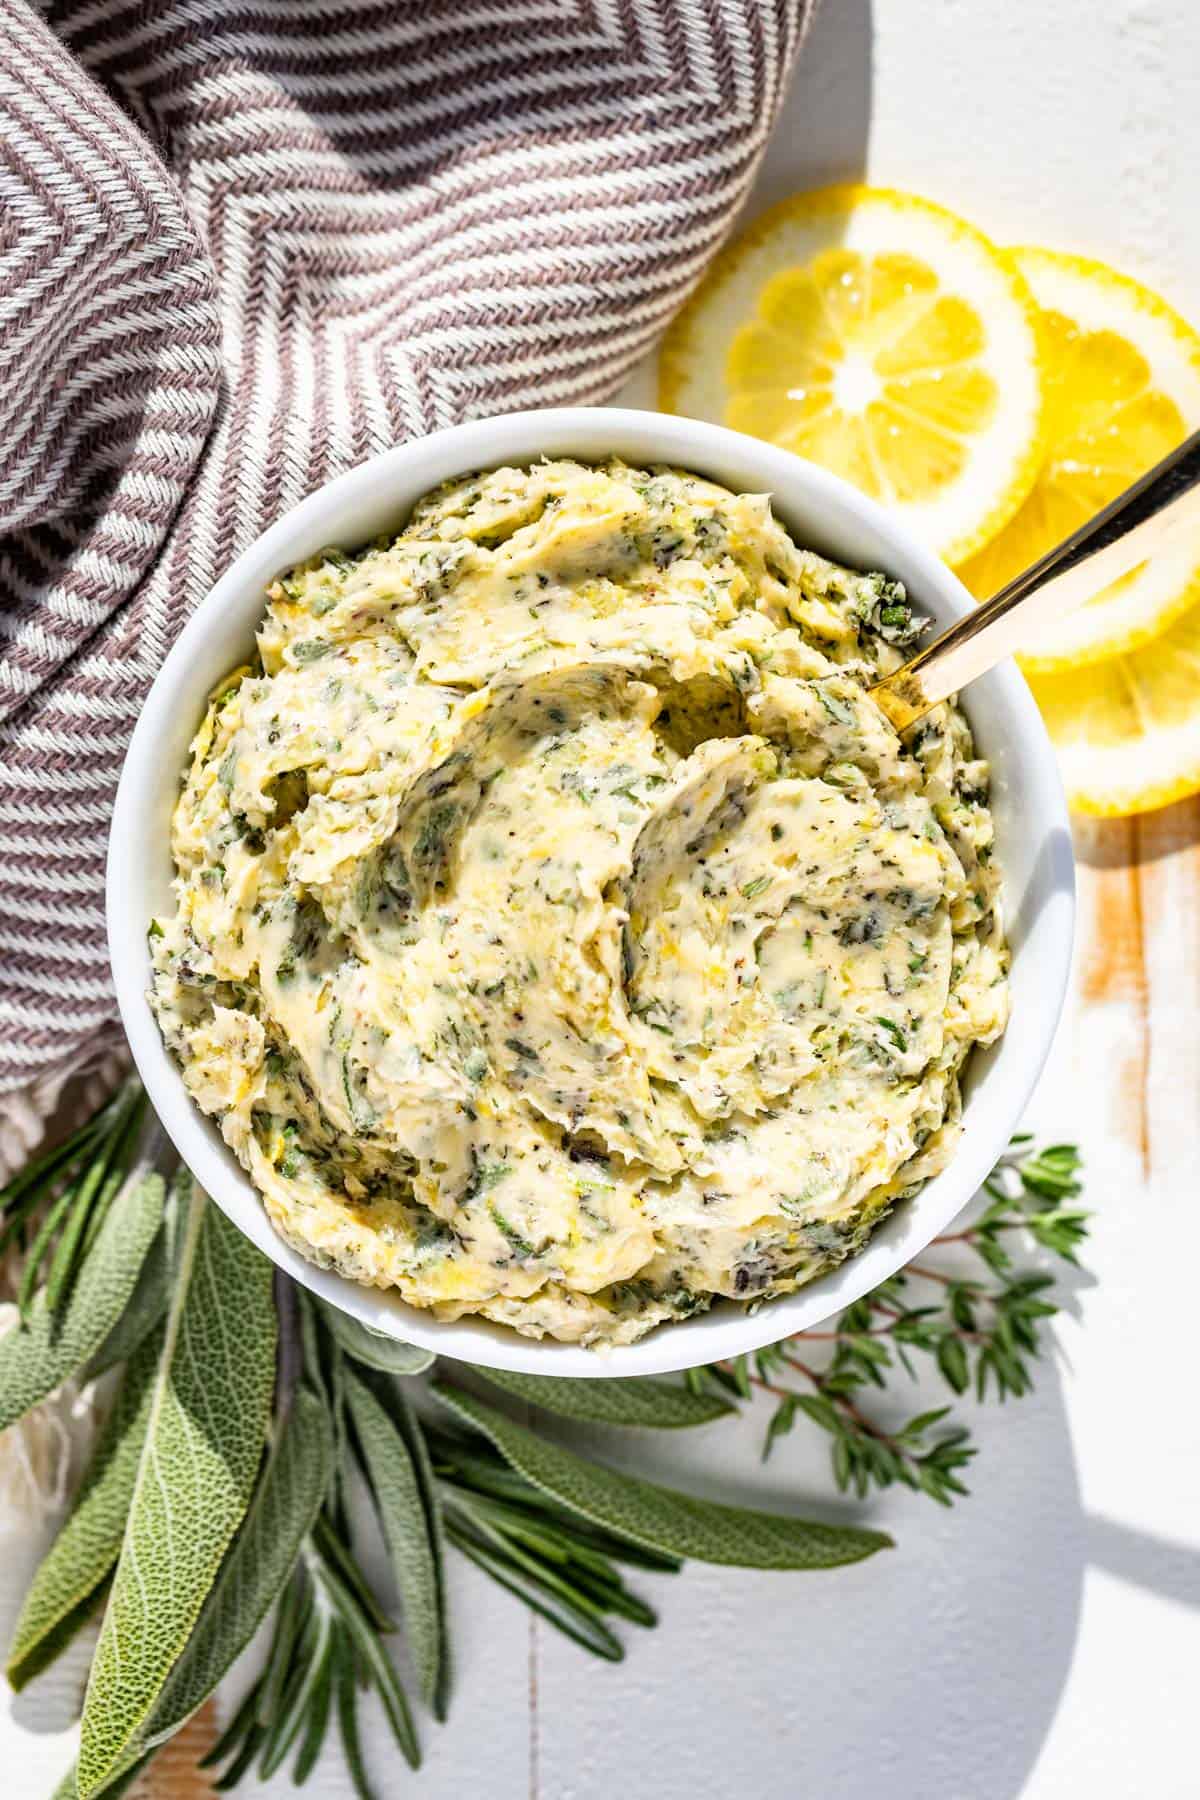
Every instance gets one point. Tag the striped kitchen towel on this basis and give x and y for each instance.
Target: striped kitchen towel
(245, 244)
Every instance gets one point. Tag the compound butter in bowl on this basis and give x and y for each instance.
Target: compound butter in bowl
(553, 947)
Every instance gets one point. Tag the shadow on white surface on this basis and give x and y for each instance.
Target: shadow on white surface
(1145, 1560)
(932, 1671)
(822, 131)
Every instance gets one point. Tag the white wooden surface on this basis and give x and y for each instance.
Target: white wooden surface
(1042, 1639)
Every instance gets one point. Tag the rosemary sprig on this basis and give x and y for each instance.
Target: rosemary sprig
(978, 1333)
(327, 1640)
(70, 1189)
(561, 1566)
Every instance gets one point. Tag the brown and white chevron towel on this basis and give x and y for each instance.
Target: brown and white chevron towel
(245, 244)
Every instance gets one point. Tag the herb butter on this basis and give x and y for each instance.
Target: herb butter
(562, 933)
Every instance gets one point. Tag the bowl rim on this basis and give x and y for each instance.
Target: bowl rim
(522, 438)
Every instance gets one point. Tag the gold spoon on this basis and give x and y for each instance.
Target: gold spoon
(1131, 529)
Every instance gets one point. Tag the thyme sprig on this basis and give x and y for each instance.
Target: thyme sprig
(980, 1334)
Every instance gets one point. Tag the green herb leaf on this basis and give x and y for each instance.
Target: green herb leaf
(375, 1666)
(145, 1309)
(782, 1420)
(661, 1517)
(633, 1400)
(286, 1502)
(347, 1711)
(38, 1356)
(472, 1467)
(413, 1432)
(310, 650)
(374, 1348)
(83, 1176)
(85, 1551)
(151, 1295)
(97, 1191)
(586, 1628)
(302, 1694)
(393, 1479)
(837, 708)
(204, 1441)
(44, 1171)
(952, 1361)
(68, 1789)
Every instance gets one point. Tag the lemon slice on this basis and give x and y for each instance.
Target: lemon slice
(1127, 730)
(1122, 374)
(880, 336)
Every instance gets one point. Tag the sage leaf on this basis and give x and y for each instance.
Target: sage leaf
(204, 1442)
(411, 1430)
(633, 1400)
(660, 1517)
(406, 1530)
(68, 1788)
(40, 1354)
(152, 1294)
(98, 1189)
(85, 1551)
(281, 1515)
(374, 1348)
(145, 1310)
(55, 1638)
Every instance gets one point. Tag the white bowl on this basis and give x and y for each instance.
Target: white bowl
(1033, 848)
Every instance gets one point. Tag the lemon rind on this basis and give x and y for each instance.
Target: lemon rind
(843, 198)
(1137, 299)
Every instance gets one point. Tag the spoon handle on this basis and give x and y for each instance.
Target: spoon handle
(1136, 525)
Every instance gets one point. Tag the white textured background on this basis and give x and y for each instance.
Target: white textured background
(1043, 1639)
